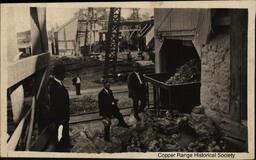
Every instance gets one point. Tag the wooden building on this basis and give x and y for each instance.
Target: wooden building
(65, 38)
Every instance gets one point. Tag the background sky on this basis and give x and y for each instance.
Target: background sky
(59, 16)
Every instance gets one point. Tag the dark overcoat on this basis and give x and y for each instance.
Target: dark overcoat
(136, 90)
(107, 103)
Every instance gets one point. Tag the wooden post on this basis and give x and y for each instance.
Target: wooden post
(158, 45)
(39, 46)
(39, 38)
(238, 64)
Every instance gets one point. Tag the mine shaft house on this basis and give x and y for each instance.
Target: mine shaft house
(206, 51)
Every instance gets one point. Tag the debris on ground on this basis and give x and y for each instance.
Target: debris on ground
(168, 132)
(202, 125)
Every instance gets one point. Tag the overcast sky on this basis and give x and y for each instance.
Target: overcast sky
(59, 16)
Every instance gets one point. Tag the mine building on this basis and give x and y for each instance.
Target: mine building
(193, 63)
(216, 39)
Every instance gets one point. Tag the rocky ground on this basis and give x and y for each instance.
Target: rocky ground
(171, 131)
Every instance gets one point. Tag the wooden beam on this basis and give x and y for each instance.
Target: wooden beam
(181, 33)
(158, 60)
(18, 71)
(238, 64)
(136, 22)
(12, 143)
(39, 38)
(31, 124)
(41, 12)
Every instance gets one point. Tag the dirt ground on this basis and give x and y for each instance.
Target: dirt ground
(89, 103)
(90, 78)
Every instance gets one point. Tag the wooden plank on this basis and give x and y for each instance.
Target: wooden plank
(41, 12)
(41, 86)
(31, 124)
(181, 33)
(39, 38)
(12, 143)
(238, 63)
(158, 60)
(35, 32)
(18, 71)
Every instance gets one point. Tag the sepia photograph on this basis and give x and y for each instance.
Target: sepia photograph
(169, 82)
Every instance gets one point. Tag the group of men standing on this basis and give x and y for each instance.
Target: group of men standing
(108, 108)
(108, 104)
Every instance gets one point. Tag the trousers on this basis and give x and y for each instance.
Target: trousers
(138, 108)
(78, 89)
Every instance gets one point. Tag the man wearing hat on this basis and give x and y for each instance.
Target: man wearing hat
(137, 90)
(59, 108)
(108, 108)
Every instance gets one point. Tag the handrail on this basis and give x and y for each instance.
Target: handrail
(30, 130)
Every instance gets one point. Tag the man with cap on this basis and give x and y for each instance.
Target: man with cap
(108, 108)
(59, 108)
(137, 90)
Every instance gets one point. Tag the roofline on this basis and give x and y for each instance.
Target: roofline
(75, 17)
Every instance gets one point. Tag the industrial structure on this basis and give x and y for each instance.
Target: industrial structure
(216, 39)
(200, 62)
(90, 31)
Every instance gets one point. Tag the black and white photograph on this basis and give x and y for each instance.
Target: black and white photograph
(145, 81)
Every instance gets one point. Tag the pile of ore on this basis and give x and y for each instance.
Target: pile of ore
(189, 72)
(166, 133)
(208, 137)
(159, 133)
(202, 125)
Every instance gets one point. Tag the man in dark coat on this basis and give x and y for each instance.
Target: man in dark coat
(137, 90)
(59, 108)
(108, 108)
(77, 83)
